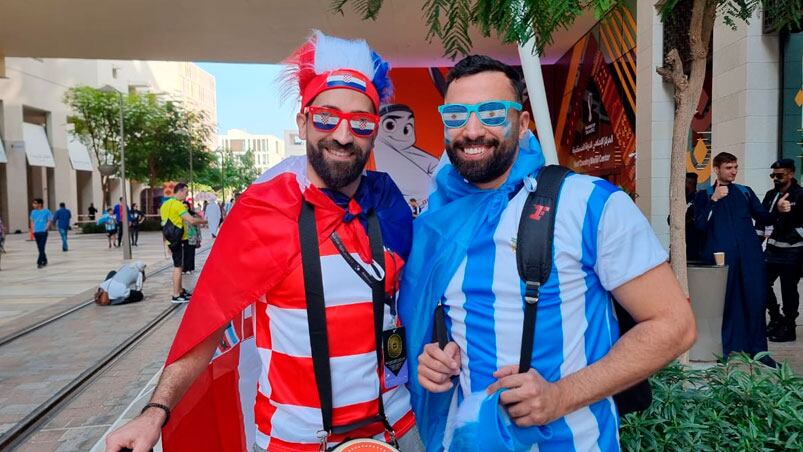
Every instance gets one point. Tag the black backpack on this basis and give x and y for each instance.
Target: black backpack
(534, 259)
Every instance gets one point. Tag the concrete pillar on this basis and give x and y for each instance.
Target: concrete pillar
(16, 168)
(745, 99)
(66, 190)
(654, 121)
(97, 190)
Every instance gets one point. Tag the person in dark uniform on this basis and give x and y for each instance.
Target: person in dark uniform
(694, 238)
(725, 213)
(784, 251)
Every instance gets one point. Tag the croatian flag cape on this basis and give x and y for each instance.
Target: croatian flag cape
(256, 248)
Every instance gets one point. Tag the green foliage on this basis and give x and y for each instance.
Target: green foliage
(159, 135)
(516, 21)
(511, 20)
(163, 136)
(238, 172)
(738, 406)
(781, 14)
(92, 228)
(96, 121)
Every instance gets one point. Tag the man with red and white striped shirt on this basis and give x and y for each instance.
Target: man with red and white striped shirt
(252, 315)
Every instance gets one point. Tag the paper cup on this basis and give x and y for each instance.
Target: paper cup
(719, 258)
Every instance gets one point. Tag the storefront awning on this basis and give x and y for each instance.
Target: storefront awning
(37, 148)
(3, 158)
(79, 155)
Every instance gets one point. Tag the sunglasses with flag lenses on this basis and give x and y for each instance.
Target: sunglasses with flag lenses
(361, 125)
(491, 114)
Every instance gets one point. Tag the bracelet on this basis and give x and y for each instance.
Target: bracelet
(158, 405)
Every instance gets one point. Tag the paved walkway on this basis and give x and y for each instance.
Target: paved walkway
(119, 393)
(25, 289)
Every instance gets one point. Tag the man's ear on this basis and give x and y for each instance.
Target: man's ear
(524, 123)
(301, 121)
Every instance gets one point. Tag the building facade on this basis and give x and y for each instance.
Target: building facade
(267, 150)
(38, 158)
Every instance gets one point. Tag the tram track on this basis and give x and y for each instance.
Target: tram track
(13, 336)
(61, 324)
(17, 434)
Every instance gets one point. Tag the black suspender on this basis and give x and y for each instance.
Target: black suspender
(316, 315)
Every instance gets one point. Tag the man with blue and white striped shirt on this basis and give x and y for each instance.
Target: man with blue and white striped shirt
(464, 259)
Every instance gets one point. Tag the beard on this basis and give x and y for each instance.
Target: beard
(490, 168)
(778, 184)
(335, 174)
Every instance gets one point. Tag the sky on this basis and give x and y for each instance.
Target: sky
(248, 97)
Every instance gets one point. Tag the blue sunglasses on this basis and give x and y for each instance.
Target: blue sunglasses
(492, 113)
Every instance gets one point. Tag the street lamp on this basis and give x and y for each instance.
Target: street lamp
(222, 175)
(124, 205)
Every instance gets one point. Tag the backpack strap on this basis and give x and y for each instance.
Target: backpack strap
(534, 248)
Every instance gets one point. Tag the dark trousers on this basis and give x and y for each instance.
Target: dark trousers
(790, 276)
(119, 233)
(134, 231)
(189, 258)
(41, 241)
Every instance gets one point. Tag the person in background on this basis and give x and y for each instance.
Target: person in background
(122, 286)
(725, 213)
(92, 211)
(109, 225)
(193, 241)
(62, 220)
(694, 238)
(174, 211)
(2, 241)
(784, 251)
(137, 217)
(41, 219)
(415, 207)
(119, 210)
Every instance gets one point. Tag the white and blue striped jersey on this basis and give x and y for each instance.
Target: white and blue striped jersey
(601, 241)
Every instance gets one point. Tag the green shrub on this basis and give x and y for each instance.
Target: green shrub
(738, 406)
(92, 228)
(151, 224)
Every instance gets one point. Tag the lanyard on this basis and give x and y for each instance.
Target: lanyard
(316, 318)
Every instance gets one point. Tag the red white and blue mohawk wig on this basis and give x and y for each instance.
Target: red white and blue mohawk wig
(326, 62)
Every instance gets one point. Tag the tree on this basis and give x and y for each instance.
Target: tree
(97, 126)
(517, 21)
(159, 136)
(238, 173)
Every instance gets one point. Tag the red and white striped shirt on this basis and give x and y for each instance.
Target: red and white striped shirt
(287, 409)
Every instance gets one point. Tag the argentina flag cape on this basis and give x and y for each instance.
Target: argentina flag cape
(442, 235)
